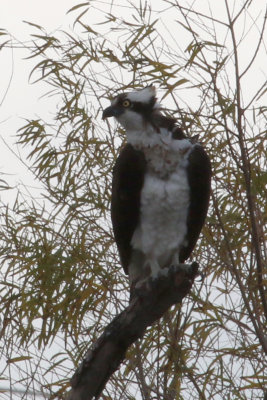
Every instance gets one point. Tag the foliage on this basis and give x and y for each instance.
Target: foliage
(61, 281)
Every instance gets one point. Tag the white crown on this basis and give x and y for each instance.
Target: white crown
(143, 95)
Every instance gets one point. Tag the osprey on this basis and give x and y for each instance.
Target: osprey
(160, 188)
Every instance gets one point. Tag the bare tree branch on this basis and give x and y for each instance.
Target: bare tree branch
(150, 301)
(247, 167)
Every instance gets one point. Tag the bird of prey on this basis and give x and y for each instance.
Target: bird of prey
(160, 187)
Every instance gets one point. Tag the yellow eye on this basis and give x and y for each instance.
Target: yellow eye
(126, 103)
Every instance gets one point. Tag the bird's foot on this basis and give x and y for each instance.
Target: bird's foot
(161, 278)
(187, 268)
(149, 284)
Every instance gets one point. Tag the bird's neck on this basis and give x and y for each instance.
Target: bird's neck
(146, 137)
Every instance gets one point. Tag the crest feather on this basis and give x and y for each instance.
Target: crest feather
(142, 96)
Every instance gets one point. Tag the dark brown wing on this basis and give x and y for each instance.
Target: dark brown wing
(199, 179)
(128, 179)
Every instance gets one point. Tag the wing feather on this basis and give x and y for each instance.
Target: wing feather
(127, 183)
(199, 178)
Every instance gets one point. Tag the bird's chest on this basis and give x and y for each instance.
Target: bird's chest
(164, 155)
(164, 199)
(163, 212)
(161, 162)
(165, 190)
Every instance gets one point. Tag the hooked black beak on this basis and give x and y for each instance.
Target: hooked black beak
(111, 111)
(108, 112)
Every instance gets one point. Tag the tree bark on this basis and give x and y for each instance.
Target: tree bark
(149, 302)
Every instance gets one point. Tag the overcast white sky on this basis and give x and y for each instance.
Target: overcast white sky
(52, 15)
(19, 99)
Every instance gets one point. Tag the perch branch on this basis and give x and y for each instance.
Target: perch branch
(149, 302)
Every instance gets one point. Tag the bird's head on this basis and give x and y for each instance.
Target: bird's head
(133, 110)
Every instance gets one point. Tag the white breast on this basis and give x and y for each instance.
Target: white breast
(164, 201)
